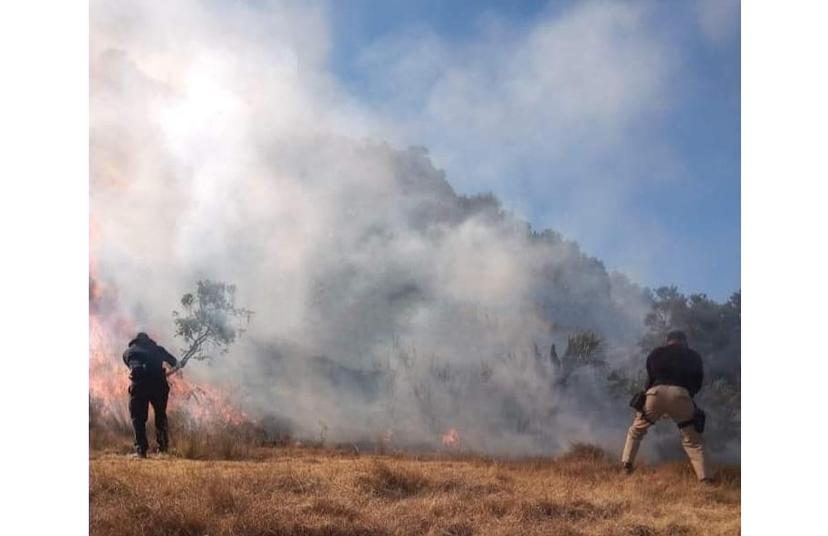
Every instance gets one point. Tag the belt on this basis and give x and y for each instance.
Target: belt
(669, 384)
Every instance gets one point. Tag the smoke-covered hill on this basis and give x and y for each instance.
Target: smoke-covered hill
(383, 300)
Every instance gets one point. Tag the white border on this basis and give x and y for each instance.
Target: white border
(44, 209)
(785, 378)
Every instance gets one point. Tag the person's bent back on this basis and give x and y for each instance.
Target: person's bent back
(675, 364)
(145, 359)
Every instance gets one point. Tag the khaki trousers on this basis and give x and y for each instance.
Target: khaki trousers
(674, 402)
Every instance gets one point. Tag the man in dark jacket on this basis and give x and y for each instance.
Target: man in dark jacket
(148, 385)
(674, 376)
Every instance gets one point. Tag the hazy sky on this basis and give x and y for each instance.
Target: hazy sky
(616, 123)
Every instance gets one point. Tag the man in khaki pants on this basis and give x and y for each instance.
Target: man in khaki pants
(674, 376)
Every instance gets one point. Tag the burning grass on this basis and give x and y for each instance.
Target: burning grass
(316, 491)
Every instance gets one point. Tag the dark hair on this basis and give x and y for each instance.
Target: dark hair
(677, 335)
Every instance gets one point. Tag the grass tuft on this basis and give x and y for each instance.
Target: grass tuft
(393, 483)
(577, 510)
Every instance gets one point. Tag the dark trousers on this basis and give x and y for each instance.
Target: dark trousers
(141, 395)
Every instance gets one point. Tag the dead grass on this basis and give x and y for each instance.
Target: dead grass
(381, 480)
(313, 491)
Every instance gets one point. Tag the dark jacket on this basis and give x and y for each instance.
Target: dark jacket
(675, 364)
(145, 360)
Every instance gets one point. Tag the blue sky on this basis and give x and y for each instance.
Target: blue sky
(649, 184)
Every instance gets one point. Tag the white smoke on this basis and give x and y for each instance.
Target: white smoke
(222, 148)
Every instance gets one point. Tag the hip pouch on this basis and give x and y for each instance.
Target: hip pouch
(137, 372)
(638, 400)
(697, 421)
(700, 417)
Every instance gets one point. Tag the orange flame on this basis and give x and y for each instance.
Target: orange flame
(108, 382)
(451, 438)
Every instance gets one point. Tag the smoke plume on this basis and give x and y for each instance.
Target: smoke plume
(385, 303)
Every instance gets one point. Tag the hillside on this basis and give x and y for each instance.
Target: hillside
(411, 309)
(311, 491)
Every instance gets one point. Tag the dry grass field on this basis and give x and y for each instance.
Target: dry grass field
(315, 492)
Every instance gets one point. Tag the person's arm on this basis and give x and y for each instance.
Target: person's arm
(125, 358)
(697, 374)
(168, 357)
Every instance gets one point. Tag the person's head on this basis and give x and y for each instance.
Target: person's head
(677, 336)
(142, 337)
